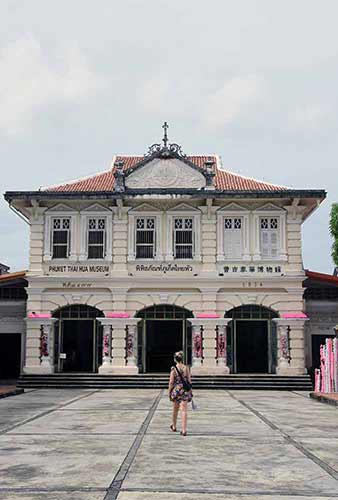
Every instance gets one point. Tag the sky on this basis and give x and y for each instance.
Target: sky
(254, 81)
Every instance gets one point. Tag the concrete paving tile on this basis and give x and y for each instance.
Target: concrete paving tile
(209, 422)
(324, 448)
(85, 422)
(13, 417)
(217, 462)
(59, 462)
(112, 402)
(138, 495)
(58, 495)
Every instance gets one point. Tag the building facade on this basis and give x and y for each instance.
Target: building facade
(13, 299)
(321, 307)
(165, 252)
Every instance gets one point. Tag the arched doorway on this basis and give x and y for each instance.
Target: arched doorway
(252, 340)
(164, 329)
(77, 339)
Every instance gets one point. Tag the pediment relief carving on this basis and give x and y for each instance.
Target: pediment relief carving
(184, 207)
(268, 207)
(96, 207)
(61, 207)
(232, 207)
(165, 173)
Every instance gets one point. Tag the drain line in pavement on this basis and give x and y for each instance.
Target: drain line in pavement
(116, 484)
(323, 465)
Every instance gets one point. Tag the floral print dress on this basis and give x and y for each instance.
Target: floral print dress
(177, 393)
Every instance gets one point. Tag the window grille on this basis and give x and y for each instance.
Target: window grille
(145, 238)
(61, 238)
(233, 237)
(183, 238)
(96, 238)
(269, 240)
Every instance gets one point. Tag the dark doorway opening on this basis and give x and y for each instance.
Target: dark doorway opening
(163, 339)
(10, 355)
(78, 339)
(164, 329)
(78, 345)
(252, 347)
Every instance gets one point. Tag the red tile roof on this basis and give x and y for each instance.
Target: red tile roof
(325, 278)
(224, 180)
(12, 276)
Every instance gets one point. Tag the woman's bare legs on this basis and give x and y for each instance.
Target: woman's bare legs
(176, 407)
(184, 410)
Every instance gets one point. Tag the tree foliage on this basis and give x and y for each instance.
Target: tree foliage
(334, 232)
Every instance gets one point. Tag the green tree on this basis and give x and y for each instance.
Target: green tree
(334, 232)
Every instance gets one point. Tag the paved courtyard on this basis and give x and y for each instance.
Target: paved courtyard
(115, 444)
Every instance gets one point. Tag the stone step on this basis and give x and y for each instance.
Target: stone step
(262, 382)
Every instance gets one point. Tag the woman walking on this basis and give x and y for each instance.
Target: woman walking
(180, 392)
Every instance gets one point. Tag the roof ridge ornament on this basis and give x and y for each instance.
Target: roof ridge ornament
(166, 150)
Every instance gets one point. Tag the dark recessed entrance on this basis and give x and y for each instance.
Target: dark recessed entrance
(78, 339)
(164, 329)
(252, 340)
(252, 347)
(10, 355)
(163, 339)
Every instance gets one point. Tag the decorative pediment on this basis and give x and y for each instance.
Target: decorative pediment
(269, 207)
(165, 173)
(232, 207)
(96, 207)
(144, 207)
(60, 207)
(183, 207)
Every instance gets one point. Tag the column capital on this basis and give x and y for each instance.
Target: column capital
(119, 322)
(295, 322)
(41, 321)
(210, 322)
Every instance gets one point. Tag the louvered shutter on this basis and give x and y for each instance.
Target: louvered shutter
(233, 238)
(236, 243)
(273, 243)
(265, 242)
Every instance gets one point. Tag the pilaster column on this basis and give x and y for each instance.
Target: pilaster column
(209, 346)
(39, 345)
(106, 349)
(197, 345)
(290, 342)
(123, 346)
(132, 344)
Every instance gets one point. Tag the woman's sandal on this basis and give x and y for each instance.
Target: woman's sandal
(173, 428)
(183, 433)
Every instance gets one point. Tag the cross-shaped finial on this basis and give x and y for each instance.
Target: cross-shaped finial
(165, 127)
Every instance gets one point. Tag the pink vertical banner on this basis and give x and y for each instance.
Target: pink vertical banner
(317, 380)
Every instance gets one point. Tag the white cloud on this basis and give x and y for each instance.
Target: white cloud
(231, 100)
(309, 117)
(30, 79)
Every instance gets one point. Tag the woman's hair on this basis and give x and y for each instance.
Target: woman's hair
(178, 357)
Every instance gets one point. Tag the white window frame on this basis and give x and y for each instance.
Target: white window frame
(59, 212)
(269, 211)
(233, 211)
(97, 229)
(96, 212)
(139, 213)
(145, 219)
(184, 211)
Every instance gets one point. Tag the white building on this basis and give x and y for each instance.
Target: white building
(162, 252)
